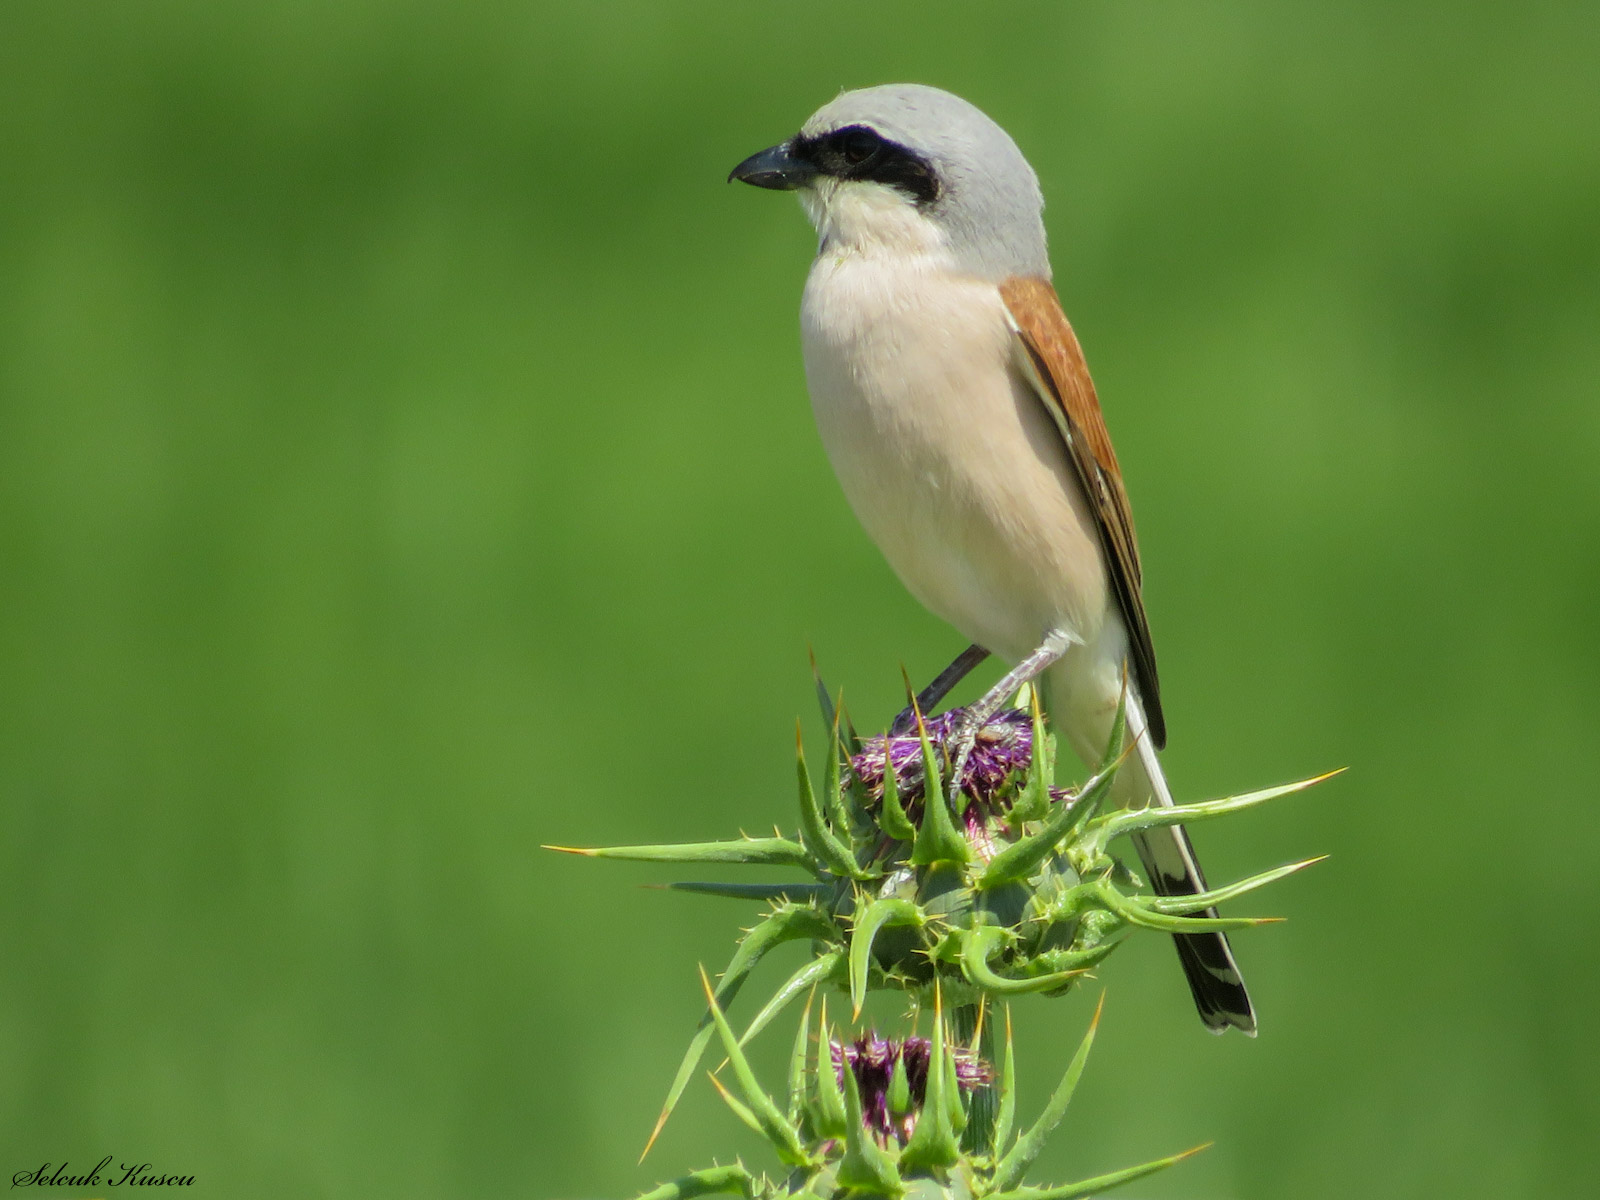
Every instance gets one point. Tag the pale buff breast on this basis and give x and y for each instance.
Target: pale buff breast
(950, 462)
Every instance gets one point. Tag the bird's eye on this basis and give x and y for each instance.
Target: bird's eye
(859, 145)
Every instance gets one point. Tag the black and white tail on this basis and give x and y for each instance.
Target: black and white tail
(1168, 857)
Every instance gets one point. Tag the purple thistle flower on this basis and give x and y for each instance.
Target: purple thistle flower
(995, 769)
(872, 1059)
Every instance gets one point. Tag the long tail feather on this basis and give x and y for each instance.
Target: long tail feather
(1169, 860)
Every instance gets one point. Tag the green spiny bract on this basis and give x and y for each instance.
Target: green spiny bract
(876, 1118)
(1010, 890)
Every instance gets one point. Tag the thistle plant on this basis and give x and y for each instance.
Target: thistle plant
(956, 894)
(885, 1118)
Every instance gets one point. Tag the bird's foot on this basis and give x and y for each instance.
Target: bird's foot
(958, 745)
(975, 716)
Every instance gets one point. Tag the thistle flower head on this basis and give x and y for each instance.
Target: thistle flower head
(892, 1079)
(872, 1118)
(995, 770)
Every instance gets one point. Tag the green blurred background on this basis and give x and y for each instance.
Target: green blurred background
(405, 461)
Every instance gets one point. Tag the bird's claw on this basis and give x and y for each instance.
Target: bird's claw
(958, 745)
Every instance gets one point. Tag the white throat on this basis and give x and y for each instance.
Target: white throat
(856, 217)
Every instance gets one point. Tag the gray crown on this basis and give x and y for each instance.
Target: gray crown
(989, 204)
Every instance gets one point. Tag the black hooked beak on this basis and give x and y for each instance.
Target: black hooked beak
(774, 168)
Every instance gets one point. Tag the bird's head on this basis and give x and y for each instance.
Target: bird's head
(905, 168)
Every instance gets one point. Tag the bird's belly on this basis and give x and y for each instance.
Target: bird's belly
(949, 460)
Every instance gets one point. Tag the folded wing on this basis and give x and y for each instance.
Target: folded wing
(1050, 352)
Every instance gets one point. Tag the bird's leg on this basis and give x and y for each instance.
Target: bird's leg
(938, 689)
(958, 746)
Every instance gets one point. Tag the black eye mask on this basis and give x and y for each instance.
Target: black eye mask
(856, 152)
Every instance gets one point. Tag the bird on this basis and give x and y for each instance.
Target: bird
(954, 403)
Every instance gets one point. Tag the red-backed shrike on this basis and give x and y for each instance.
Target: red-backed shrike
(954, 403)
